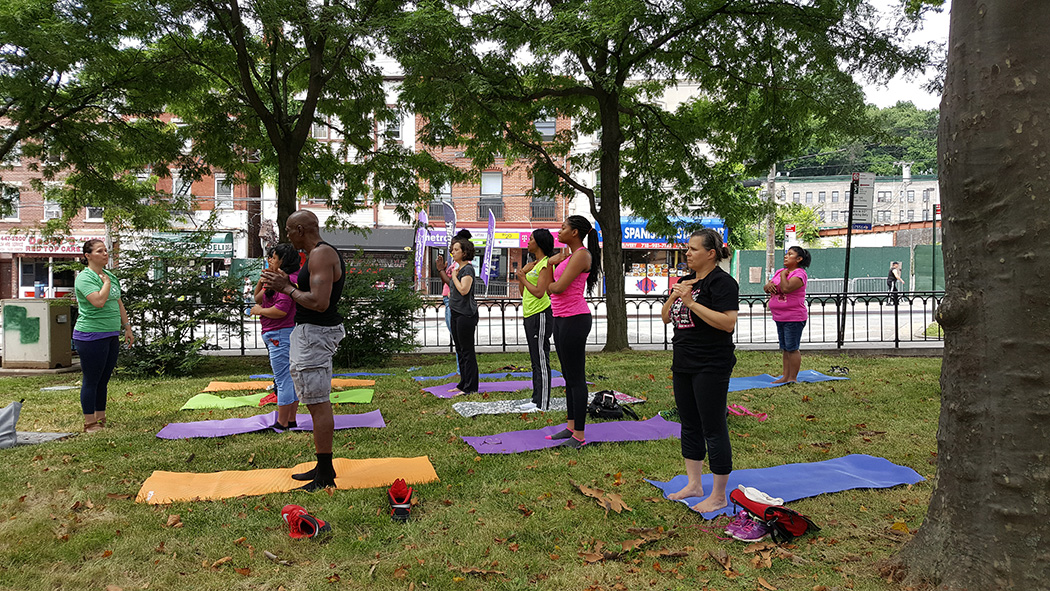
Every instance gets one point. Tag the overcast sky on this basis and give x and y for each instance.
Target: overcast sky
(900, 89)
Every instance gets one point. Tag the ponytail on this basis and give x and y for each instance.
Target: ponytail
(712, 240)
(596, 260)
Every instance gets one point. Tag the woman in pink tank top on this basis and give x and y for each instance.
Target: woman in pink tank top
(573, 268)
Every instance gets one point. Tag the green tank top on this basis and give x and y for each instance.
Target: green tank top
(90, 318)
(531, 304)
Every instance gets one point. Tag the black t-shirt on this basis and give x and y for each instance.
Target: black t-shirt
(461, 304)
(698, 346)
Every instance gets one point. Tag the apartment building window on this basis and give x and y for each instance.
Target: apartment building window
(911, 196)
(52, 210)
(821, 214)
(834, 216)
(834, 196)
(94, 214)
(900, 216)
(911, 215)
(492, 184)
(543, 208)
(885, 215)
(187, 141)
(440, 193)
(926, 194)
(822, 196)
(925, 215)
(796, 197)
(884, 197)
(809, 197)
(319, 130)
(392, 130)
(223, 192)
(11, 203)
(546, 129)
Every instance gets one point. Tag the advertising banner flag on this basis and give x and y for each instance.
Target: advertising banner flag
(450, 221)
(490, 239)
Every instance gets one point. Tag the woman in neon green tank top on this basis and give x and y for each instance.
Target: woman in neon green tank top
(539, 321)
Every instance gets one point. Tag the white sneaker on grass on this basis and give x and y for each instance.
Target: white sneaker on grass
(528, 407)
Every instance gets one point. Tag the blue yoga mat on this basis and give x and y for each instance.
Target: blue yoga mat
(766, 381)
(269, 376)
(792, 482)
(507, 374)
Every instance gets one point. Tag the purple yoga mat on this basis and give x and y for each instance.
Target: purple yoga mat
(261, 423)
(519, 441)
(445, 390)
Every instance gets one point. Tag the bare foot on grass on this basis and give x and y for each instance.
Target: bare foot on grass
(696, 490)
(780, 380)
(711, 503)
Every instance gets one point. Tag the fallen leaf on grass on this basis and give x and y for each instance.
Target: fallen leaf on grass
(401, 572)
(332, 579)
(107, 554)
(766, 584)
(239, 541)
(469, 570)
(174, 521)
(591, 557)
(243, 571)
(114, 588)
(524, 510)
(605, 500)
(221, 561)
(900, 526)
(722, 558)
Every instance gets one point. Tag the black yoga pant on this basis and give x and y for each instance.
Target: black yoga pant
(570, 339)
(538, 329)
(701, 400)
(463, 336)
(97, 360)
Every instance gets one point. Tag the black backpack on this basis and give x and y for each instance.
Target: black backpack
(605, 406)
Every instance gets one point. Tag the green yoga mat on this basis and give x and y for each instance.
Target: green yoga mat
(200, 401)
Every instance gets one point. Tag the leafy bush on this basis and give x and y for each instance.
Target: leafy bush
(377, 307)
(169, 298)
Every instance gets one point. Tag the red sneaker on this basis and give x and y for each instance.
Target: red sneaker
(301, 524)
(400, 500)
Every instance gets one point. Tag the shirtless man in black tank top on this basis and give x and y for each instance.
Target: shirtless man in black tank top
(318, 330)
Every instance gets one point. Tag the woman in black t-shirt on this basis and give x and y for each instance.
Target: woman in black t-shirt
(464, 314)
(703, 307)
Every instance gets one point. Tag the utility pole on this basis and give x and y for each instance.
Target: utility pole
(771, 225)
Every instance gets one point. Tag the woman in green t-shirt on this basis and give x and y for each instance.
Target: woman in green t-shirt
(539, 322)
(97, 333)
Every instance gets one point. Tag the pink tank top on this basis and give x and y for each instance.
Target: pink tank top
(569, 302)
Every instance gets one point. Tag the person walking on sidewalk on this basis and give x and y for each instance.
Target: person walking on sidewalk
(316, 336)
(539, 321)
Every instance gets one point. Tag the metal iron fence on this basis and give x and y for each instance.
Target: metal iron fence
(873, 317)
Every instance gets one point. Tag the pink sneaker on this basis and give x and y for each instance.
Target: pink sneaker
(738, 521)
(752, 531)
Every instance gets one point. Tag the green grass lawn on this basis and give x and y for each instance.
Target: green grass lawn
(66, 521)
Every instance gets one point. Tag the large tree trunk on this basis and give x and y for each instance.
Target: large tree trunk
(608, 216)
(287, 190)
(988, 523)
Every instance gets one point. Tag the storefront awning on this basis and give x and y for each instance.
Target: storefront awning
(220, 247)
(635, 235)
(373, 240)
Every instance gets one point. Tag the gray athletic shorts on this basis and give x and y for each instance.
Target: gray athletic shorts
(312, 348)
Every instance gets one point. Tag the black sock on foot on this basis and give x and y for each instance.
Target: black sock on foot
(280, 427)
(563, 434)
(292, 424)
(322, 476)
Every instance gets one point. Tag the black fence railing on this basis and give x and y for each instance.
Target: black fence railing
(869, 318)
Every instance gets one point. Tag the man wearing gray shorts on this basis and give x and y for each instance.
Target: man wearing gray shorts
(316, 336)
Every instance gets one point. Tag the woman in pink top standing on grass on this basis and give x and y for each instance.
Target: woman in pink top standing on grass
(787, 305)
(276, 312)
(573, 268)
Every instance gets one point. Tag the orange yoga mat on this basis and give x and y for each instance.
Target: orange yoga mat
(168, 487)
(260, 385)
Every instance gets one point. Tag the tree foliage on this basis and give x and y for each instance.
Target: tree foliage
(173, 305)
(904, 133)
(757, 76)
(264, 73)
(79, 97)
(377, 306)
